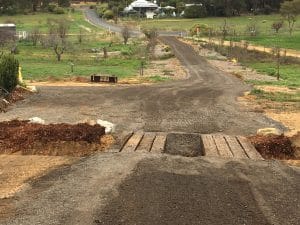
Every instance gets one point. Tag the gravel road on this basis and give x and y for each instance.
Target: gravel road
(115, 189)
(121, 188)
(206, 102)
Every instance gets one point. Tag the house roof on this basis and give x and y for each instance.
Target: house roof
(7, 25)
(143, 4)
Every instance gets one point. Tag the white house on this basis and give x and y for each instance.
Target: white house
(143, 7)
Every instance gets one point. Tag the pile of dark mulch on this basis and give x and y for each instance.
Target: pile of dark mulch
(274, 146)
(28, 137)
(18, 94)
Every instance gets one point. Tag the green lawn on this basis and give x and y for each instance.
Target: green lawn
(276, 96)
(40, 63)
(28, 22)
(266, 36)
(283, 40)
(289, 74)
(239, 24)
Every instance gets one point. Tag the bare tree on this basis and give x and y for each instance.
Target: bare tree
(59, 47)
(224, 29)
(63, 28)
(80, 36)
(152, 36)
(57, 38)
(35, 36)
(252, 29)
(105, 54)
(276, 26)
(7, 40)
(290, 10)
(277, 55)
(125, 34)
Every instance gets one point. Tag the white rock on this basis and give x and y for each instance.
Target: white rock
(36, 120)
(5, 101)
(268, 131)
(109, 127)
(32, 89)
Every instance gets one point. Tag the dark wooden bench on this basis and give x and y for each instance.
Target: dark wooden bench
(105, 79)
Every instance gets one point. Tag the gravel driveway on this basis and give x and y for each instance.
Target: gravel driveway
(205, 102)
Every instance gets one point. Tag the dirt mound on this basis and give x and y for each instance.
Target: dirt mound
(53, 139)
(274, 146)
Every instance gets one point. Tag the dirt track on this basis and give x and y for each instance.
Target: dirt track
(205, 103)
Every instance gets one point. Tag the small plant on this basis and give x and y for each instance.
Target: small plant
(9, 68)
(290, 10)
(125, 35)
(276, 26)
(152, 36)
(252, 29)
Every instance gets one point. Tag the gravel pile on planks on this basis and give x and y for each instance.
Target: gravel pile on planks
(274, 146)
(54, 139)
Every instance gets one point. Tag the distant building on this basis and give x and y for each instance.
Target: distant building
(7, 32)
(143, 8)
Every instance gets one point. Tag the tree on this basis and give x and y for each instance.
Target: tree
(57, 37)
(80, 36)
(64, 3)
(151, 36)
(195, 12)
(35, 36)
(125, 34)
(290, 10)
(59, 47)
(276, 26)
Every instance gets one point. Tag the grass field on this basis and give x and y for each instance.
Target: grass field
(28, 22)
(289, 73)
(40, 63)
(266, 36)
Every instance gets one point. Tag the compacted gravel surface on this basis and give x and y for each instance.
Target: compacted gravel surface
(205, 103)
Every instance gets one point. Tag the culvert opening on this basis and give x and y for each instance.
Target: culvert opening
(188, 145)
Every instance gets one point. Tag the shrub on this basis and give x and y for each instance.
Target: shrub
(195, 12)
(59, 10)
(203, 29)
(101, 9)
(108, 14)
(9, 68)
(52, 7)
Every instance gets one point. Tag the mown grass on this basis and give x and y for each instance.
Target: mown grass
(29, 22)
(266, 36)
(289, 73)
(283, 40)
(40, 63)
(237, 23)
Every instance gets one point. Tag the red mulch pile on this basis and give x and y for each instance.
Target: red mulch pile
(18, 94)
(26, 137)
(274, 146)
